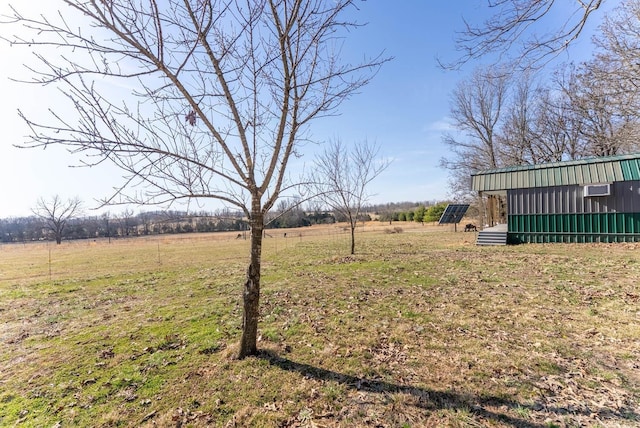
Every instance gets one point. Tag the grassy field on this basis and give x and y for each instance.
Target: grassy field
(420, 328)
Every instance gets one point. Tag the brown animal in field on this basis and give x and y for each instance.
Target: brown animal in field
(470, 228)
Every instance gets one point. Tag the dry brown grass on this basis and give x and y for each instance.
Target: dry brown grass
(419, 328)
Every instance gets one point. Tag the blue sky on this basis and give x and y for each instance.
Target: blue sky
(404, 109)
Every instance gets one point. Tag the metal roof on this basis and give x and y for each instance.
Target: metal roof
(584, 171)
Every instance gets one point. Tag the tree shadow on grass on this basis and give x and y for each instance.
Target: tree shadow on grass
(432, 400)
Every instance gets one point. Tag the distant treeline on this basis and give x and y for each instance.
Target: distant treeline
(123, 225)
(23, 229)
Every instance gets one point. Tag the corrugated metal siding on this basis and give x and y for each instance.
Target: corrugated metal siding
(587, 227)
(630, 202)
(631, 169)
(586, 171)
(624, 198)
(563, 214)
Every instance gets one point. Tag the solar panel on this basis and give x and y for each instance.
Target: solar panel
(453, 213)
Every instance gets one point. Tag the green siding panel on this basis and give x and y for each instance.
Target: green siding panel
(630, 169)
(601, 227)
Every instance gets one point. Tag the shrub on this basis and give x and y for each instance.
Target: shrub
(435, 212)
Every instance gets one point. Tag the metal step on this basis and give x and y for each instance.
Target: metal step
(491, 238)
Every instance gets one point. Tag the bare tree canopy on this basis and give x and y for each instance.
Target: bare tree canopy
(500, 121)
(341, 176)
(221, 96)
(521, 31)
(606, 124)
(617, 59)
(56, 213)
(219, 87)
(477, 106)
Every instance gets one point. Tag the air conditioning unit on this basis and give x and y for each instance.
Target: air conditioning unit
(591, 190)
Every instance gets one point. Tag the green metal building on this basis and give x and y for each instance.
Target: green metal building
(587, 200)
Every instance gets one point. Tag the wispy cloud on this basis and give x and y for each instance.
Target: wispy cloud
(441, 125)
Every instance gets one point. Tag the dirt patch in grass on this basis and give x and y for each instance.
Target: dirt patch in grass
(417, 329)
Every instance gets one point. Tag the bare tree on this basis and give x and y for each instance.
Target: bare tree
(107, 225)
(618, 54)
(341, 176)
(224, 92)
(126, 222)
(616, 68)
(538, 127)
(606, 125)
(557, 130)
(521, 31)
(517, 137)
(476, 111)
(56, 213)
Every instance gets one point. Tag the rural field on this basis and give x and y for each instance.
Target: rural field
(420, 328)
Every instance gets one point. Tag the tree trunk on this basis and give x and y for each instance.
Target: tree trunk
(251, 292)
(353, 238)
